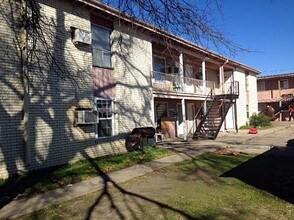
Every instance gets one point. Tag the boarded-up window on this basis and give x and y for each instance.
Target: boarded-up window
(103, 83)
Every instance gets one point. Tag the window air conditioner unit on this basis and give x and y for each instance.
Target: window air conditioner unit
(85, 117)
(81, 36)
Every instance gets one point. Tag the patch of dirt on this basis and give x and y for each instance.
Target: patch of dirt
(226, 151)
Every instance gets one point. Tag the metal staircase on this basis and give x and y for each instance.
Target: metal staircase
(287, 101)
(218, 106)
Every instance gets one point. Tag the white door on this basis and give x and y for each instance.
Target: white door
(190, 118)
(230, 119)
(180, 122)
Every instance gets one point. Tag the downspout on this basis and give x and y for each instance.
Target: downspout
(25, 81)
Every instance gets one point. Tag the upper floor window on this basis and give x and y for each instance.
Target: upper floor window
(283, 84)
(247, 81)
(101, 46)
(262, 86)
(159, 64)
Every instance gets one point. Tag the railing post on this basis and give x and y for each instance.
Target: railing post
(204, 83)
(181, 70)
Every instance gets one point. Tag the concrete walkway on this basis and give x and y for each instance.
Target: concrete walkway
(276, 136)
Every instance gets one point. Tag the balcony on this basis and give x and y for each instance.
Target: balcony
(274, 95)
(173, 83)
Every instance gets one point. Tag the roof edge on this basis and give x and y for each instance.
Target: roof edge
(156, 30)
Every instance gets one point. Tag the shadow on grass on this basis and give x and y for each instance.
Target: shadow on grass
(106, 193)
(272, 171)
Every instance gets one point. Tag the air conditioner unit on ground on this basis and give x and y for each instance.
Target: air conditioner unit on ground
(81, 36)
(84, 117)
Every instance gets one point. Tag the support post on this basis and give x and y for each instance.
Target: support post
(204, 84)
(221, 79)
(280, 114)
(236, 116)
(184, 119)
(181, 70)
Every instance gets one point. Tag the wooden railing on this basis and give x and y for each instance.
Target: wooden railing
(274, 94)
(172, 82)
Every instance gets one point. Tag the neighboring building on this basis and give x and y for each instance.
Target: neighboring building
(126, 74)
(276, 91)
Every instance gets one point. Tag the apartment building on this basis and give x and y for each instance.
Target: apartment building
(276, 91)
(74, 85)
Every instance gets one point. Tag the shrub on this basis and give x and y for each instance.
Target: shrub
(259, 120)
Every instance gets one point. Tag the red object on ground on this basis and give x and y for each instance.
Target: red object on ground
(253, 131)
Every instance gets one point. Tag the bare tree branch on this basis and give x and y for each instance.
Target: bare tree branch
(193, 20)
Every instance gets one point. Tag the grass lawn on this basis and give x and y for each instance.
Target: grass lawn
(209, 187)
(41, 181)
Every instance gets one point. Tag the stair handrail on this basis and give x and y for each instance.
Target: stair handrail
(223, 110)
(289, 102)
(210, 95)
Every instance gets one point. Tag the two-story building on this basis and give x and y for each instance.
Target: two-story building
(77, 81)
(276, 91)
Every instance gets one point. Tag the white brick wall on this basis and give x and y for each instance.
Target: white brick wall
(253, 103)
(11, 92)
(132, 61)
(239, 75)
(54, 138)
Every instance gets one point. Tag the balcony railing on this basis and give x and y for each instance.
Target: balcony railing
(275, 94)
(171, 82)
(231, 88)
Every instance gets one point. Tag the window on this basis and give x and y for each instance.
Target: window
(101, 48)
(160, 111)
(159, 68)
(283, 84)
(247, 111)
(247, 81)
(159, 64)
(262, 86)
(104, 127)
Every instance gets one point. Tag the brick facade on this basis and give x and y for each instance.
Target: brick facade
(61, 80)
(11, 91)
(54, 139)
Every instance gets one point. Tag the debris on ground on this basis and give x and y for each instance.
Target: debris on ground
(225, 151)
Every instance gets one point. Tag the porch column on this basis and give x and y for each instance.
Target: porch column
(221, 79)
(153, 112)
(184, 119)
(181, 70)
(281, 114)
(204, 83)
(236, 117)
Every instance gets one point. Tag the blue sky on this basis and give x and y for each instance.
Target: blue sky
(266, 26)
